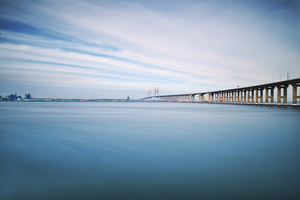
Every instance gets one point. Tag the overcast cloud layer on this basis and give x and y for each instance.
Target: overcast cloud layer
(115, 49)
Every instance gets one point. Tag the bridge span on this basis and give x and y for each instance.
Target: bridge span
(262, 94)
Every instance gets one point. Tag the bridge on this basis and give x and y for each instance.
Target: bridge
(262, 94)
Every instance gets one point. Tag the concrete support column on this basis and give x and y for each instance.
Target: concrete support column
(256, 95)
(242, 97)
(285, 94)
(221, 97)
(261, 95)
(267, 95)
(248, 96)
(243, 94)
(228, 97)
(233, 96)
(294, 94)
(272, 95)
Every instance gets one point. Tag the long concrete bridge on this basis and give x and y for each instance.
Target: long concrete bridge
(262, 94)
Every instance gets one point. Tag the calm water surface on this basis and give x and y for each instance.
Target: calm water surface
(80, 150)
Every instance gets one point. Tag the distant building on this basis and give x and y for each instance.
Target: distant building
(27, 96)
(12, 97)
(128, 98)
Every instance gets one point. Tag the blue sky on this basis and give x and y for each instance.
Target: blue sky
(115, 49)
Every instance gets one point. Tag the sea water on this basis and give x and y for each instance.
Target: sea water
(135, 150)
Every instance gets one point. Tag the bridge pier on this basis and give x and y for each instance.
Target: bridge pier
(256, 95)
(279, 95)
(248, 96)
(251, 96)
(201, 97)
(261, 97)
(243, 96)
(269, 95)
(295, 94)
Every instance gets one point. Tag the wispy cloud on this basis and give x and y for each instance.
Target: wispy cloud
(181, 46)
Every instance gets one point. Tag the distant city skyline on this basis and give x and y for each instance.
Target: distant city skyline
(116, 49)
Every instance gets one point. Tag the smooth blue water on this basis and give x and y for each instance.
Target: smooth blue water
(90, 150)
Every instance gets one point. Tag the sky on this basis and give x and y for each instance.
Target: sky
(116, 49)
